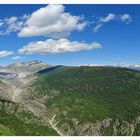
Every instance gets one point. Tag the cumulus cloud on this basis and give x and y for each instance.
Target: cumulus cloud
(126, 18)
(12, 24)
(57, 46)
(52, 21)
(5, 53)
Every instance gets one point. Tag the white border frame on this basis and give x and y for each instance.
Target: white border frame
(70, 137)
(69, 1)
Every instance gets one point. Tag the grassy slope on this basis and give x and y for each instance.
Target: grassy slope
(14, 124)
(4, 131)
(89, 94)
(17, 126)
(11, 124)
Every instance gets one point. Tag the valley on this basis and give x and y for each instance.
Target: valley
(69, 100)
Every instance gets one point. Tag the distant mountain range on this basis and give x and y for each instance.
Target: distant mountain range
(29, 67)
(134, 66)
(22, 69)
(37, 64)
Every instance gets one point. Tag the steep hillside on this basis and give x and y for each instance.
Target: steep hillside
(15, 117)
(4, 91)
(17, 120)
(71, 101)
(90, 100)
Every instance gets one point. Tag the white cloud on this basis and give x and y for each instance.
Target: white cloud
(97, 27)
(108, 18)
(5, 53)
(17, 57)
(126, 18)
(12, 24)
(57, 46)
(52, 21)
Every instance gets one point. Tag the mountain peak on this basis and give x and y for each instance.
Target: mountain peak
(27, 63)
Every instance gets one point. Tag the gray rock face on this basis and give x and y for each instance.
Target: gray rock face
(6, 75)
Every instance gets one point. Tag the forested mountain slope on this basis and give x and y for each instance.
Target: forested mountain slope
(91, 100)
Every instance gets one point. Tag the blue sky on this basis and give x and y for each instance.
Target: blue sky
(88, 34)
